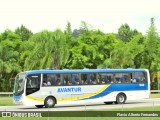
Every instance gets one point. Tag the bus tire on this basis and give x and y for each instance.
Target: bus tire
(39, 106)
(49, 102)
(121, 98)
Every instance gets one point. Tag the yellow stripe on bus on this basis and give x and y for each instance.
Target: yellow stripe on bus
(83, 96)
(73, 98)
(35, 99)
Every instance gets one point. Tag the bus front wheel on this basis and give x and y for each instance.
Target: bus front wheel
(121, 98)
(49, 102)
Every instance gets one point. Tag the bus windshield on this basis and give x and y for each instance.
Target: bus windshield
(19, 84)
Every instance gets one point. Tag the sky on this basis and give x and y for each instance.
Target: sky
(106, 15)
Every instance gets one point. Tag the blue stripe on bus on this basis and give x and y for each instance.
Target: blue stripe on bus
(83, 71)
(119, 88)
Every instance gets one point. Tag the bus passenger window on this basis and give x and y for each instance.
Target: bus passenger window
(110, 78)
(58, 81)
(103, 81)
(48, 82)
(84, 79)
(93, 78)
(139, 77)
(77, 82)
(84, 82)
(126, 81)
(133, 80)
(143, 78)
(68, 82)
(104, 78)
(67, 79)
(44, 83)
(77, 79)
(52, 79)
(112, 81)
(94, 82)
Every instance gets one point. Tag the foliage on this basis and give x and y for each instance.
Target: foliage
(23, 32)
(151, 46)
(155, 84)
(9, 58)
(49, 50)
(125, 33)
(75, 49)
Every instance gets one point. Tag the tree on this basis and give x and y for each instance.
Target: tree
(125, 33)
(9, 58)
(23, 32)
(151, 45)
(70, 42)
(50, 50)
(85, 50)
(79, 59)
(84, 27)
(136, 48)
(122, 58)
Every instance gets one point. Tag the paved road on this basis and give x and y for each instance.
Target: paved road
(88, 106)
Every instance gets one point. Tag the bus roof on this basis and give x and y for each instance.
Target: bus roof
(45, 71)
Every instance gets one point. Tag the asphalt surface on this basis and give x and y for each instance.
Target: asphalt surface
(87, 106)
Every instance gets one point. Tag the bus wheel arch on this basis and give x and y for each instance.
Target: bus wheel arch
(50, 101)
(121, 98)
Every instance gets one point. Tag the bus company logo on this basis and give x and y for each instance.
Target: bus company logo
(72, 89)
(6, 114)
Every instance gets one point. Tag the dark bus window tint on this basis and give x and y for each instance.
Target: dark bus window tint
(144, 77)
(47, 80)
(93, 78)
(67, 79)
(122, 78)
(105, 78)
(84, 78)
(75, 79)
(51, 79)
(139, 77)
(58, 78)
(119, 78)
(110, 78)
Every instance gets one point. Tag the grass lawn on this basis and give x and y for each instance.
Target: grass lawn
(6, 101)
(155, 95)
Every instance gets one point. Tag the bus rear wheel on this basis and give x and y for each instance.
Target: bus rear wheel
(49, 102)
(121, 98)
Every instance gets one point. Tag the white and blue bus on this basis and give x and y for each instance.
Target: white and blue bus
(49, 87)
